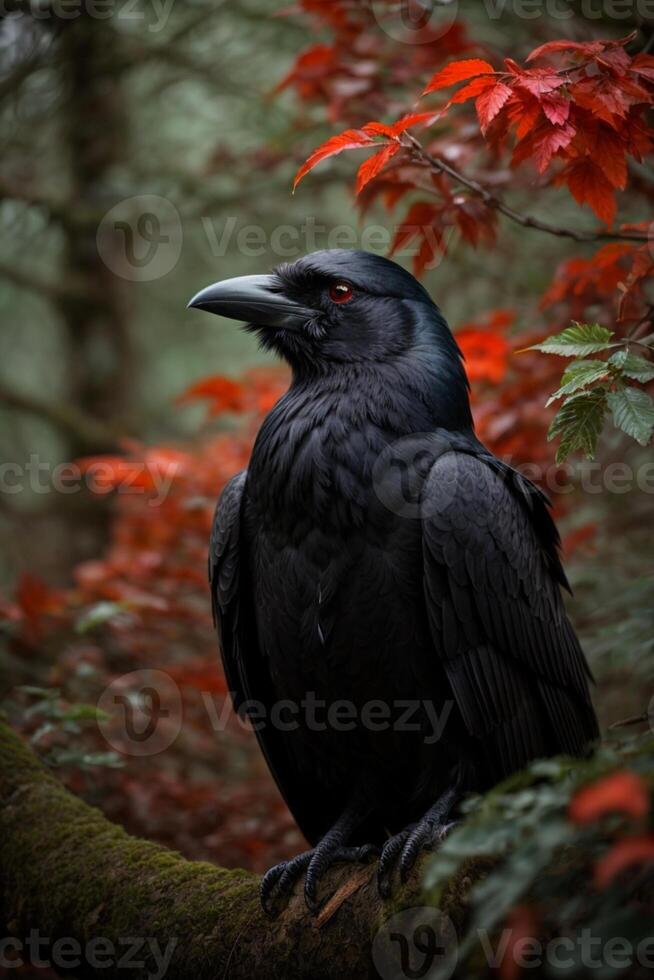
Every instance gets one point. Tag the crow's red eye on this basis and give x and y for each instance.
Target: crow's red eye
(340, 292)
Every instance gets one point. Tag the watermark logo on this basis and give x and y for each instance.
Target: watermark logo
(415, 21)
(416, 944)
(140, 238)
(141, 712)
(401, 469)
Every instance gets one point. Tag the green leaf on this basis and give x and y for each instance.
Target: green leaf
(577, 341)
(98, 614)
(579, 423)
(84, 712)
(633, 412)
(578, 375)
(633, 365)
(46, 693)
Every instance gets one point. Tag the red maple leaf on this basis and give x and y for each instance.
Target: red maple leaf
(522, 926)
(225, 394)
(490, 102)
(588, 185)
(619, 792)
(626, 853)
(458, 71)
(371, 167)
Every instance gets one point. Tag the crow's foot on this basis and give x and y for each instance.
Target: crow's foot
(402, 850)
(280, 879)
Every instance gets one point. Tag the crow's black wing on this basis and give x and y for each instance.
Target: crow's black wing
(246, 669)
(492, 574)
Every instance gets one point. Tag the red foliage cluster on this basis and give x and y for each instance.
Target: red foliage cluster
(363, 68)
(145, 604)
(622, 792)
(588, 112)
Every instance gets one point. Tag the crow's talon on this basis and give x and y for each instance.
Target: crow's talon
(281, 879)
(403, 849)
(389, 853)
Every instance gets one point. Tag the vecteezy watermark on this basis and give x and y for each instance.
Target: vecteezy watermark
(141, 712)
(416, 944)
(142, 953)
(151, 14)
(593, 10)
(100, 477)
(583, 950)
(401, 469)
(425, 21)
(422, 943)
(419, 716)
(415, 21)
(140, 238)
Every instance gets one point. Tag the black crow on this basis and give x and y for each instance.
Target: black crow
(386, 590)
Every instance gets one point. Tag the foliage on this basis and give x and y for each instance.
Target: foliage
(569, 847)
(575, 112)
(591, 387)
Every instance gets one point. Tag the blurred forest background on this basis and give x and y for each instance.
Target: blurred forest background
(148, 150)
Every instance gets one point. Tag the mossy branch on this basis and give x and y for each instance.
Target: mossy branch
(70, 873)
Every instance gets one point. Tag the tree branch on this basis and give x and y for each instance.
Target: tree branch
(68, 872)
(89, 434)
(51, 289)
(420, 155)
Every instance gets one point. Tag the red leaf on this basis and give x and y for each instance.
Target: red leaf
(588, 185)
(490, 102)
(350, 139)
(622, 792)
(413, 119)
(524, 111)
(420, 214)
(423, 221)
(542, 144)
(225, 394)
(472, 89)
(308, 65)
(35, 600)
(522, 931)
(375, 164)
(486, 354)
(458, 71)
(609, 154)
(589, 48)
(556, 108)
(643, 64)
(540, 81)
(602, 97)
(624, 854)
(107, 473)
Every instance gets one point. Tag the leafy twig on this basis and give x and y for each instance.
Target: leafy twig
(421, 155)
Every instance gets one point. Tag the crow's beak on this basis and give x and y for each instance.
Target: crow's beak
(254, 299)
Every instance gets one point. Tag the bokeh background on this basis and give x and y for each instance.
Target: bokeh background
(148, 150)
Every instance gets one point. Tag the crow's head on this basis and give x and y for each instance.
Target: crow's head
(337, 307)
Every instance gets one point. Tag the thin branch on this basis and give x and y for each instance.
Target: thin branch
(57, 291)
(421, 155)
(89, 434)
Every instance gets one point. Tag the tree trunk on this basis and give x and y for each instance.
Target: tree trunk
(95, 134)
